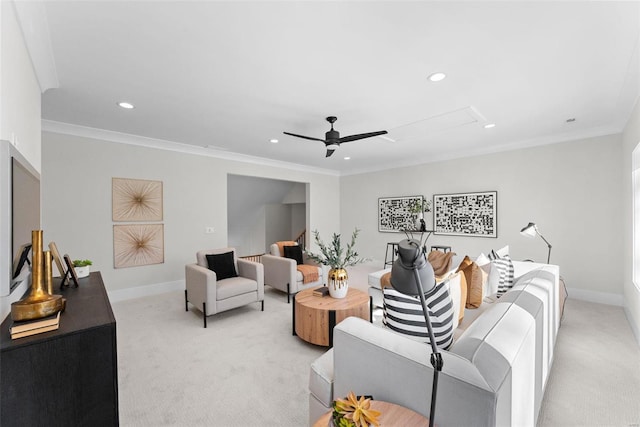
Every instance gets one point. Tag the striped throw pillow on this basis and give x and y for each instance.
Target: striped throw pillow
(504, 267)
(403, 314)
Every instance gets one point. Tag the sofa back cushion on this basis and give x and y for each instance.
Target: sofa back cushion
(501, 343)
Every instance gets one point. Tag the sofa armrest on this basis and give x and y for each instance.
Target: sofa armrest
(200, 283)
(252, 270)
(369, 360)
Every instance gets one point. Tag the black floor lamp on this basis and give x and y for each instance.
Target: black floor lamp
(408, 274)
(531, 230)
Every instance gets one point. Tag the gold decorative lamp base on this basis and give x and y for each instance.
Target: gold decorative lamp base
(40, 303)
(37, 307)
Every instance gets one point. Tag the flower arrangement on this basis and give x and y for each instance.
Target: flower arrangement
(334, 255)
(353, 412)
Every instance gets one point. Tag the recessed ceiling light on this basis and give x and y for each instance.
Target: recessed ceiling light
(436, 77)
(347, 158)
(489, 125)
(273, 141)
(126, 105)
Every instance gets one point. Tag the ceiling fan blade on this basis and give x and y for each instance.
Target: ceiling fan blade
(329, 152)
(305, 137)
(361, 136)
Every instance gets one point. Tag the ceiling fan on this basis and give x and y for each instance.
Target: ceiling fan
(332, 138)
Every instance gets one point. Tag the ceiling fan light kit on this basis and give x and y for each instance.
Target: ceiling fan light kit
(332, 138)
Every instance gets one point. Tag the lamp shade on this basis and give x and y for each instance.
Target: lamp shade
(530, 230)
(411, 260)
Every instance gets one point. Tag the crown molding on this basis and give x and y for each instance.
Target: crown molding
(161, 144)
(482, 151)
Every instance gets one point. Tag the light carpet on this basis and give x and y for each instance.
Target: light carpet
(247, 369)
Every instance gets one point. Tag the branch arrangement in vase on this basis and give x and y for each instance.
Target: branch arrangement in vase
(333, 254)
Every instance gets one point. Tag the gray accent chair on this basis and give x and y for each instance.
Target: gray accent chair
(212, 296)
(281, 273)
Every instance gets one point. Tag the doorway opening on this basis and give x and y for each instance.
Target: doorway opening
(262, 211)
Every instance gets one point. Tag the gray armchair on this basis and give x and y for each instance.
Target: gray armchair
(212, 295)
(281, 273)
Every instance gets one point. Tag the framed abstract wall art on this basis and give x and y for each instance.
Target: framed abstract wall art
(396, 214)
(138, 244)
(136, 200)
(466, 214)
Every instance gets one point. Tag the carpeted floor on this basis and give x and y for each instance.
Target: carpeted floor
(246, 368)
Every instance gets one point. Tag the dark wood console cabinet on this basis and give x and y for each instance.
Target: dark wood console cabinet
(67, 377)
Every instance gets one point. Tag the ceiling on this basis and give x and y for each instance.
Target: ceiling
(230, 76)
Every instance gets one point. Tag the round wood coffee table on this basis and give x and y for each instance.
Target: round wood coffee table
(314, 317)
(391, 415)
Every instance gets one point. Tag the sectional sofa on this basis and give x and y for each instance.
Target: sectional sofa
(494, 374)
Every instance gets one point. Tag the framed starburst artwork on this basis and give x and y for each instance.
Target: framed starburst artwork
(138, 244)
(136, 200)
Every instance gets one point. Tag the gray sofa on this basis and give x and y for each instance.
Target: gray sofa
(495, 373)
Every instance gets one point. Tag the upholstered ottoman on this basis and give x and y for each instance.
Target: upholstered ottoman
(375, 290)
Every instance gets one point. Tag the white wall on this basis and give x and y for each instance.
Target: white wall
(567, 189)
(19, 124)
(76, 203)
(298, 215)
(19, 90)
(630, 139)
(277, 224)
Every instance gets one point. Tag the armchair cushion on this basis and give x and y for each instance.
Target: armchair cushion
(223, 265)
(294, 252)
(235, 286)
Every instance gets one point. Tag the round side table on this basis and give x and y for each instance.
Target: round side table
(391, 415)
(315, 317)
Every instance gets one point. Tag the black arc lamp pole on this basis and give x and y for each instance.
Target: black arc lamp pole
(408, 273)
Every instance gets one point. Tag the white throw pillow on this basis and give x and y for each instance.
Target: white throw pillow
(490, 287)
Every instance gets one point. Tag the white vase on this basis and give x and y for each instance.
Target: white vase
(82, 271)
(338, 283)
(418, 221)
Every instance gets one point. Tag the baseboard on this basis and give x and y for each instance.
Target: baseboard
(634, 328)
(594, 296)
(143, 291)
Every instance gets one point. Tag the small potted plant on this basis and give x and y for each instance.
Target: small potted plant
(335, 257)
(82, 267)
(354, 412)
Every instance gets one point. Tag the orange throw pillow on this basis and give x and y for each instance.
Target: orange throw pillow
(475, 278)
(440, 261)
(284, 243)
(385, 280)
